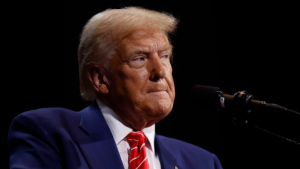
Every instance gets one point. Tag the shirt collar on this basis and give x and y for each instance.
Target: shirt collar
(120, 128)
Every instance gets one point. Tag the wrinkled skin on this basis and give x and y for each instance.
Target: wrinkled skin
(140, 86)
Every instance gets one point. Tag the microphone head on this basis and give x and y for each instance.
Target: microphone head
(204, 96)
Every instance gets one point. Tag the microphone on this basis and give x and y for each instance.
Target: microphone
(249, 113)
(214, 98)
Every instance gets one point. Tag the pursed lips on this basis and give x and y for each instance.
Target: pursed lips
(157, 90)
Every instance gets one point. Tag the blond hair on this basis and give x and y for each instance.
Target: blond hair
(105, 29)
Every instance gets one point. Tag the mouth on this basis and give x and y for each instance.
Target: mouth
(157, 91)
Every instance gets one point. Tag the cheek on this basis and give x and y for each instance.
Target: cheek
(135, 83)
(142, 75)
(169, 79)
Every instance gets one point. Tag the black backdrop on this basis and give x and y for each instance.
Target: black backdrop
(235, 46)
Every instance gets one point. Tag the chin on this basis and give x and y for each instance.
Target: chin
(156, 118)
(154, 112)
(161, 109)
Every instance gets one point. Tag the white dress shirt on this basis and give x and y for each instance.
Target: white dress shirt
(120, 129)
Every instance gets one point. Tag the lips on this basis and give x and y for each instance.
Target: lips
(158, 87)
(156, 91)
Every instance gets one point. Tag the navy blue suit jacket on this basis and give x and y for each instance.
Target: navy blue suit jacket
(61, 138)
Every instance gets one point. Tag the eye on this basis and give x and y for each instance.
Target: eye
(165, 56)
(139, 59)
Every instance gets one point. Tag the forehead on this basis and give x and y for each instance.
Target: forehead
(148, 41)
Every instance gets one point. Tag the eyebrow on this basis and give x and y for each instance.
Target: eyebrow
(146, 50)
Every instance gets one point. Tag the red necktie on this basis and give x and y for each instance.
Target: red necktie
(138, 156)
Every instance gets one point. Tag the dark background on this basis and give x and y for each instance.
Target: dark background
(248, 45)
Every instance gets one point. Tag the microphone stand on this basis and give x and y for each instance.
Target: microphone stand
(247, 112)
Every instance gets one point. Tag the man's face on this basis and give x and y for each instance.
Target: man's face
(141, 86)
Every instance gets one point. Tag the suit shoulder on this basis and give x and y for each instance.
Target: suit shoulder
(43, 137)
(47, 113)
(188, 155)
(47, 116)
(178, 146)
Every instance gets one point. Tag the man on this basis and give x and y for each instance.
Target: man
(125, 69)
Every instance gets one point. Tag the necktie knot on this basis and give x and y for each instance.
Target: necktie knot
(136, 137)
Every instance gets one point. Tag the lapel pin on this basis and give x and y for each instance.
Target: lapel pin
(176, 167)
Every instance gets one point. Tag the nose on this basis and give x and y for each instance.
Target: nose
(158, 70)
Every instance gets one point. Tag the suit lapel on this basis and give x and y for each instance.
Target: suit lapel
(166, 158)
(98, 147)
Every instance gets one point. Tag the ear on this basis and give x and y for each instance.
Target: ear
(98, 79)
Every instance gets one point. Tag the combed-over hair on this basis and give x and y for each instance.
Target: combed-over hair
(105, 29)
